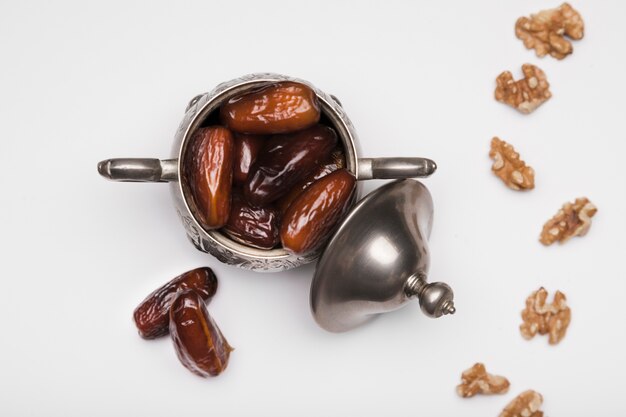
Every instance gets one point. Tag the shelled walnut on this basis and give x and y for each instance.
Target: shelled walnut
(544, 32)
(508, 166)
(573, 219)
(543, 318)
(526, 94)
(476, 380)
(526, 404)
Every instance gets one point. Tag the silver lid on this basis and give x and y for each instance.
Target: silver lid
(378, 259)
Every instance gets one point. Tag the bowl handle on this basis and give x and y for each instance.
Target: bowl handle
(139, 169)
(395, 168)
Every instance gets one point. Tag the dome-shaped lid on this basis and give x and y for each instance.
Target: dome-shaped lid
(378, 259)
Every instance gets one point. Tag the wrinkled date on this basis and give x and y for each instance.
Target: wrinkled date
(152, 315)
(198, 341)
(252, 226)
(284, 161)
(277, 108)
(314, 213)
(333, 163)
(210, 173)
(247, 148)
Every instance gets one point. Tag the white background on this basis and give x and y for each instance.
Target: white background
(82, 82)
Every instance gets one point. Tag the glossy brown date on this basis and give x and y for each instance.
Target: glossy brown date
(247, 148)
(284, 161)
(257, 227)
(313, 215)
(210, 174)
(152, 315)
(333, 163)
(277, 108)
(198, 341)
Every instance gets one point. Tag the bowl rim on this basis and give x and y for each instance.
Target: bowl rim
(330, 107)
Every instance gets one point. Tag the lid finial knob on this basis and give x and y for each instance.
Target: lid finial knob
(436, 298)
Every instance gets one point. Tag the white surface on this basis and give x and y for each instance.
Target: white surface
(83, 82)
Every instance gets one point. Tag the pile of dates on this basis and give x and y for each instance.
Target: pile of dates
(270, 174)
(178, 308)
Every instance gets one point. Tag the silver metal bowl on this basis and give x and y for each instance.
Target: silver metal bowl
(212, 241)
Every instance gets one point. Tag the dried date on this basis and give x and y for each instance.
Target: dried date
(333, 163)
(257, 227)
(313, 215)
(152, 315)
(199, 343)
(247, 148)
(278, 108)
(284, 161)
(210, 174)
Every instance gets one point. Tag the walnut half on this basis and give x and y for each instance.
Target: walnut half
(526, 404)
(544, 32)
(526, 94)
(508, 166)
(573, 219)
(476, 380)
(546, 318)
